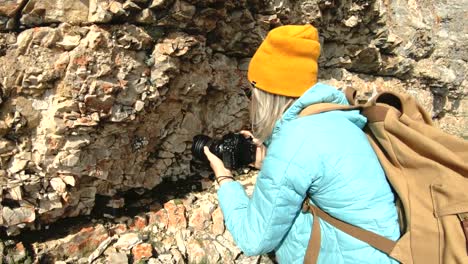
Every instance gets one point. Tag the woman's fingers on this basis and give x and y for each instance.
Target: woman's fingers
(207, 152)
(216, 163)
(248, 134)
(261, 149)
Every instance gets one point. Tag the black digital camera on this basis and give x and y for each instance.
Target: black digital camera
(233, 149)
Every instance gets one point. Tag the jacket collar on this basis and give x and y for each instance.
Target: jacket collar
(319, 93)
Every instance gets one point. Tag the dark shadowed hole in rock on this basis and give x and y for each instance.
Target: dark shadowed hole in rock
(10, 203)
(165, 191)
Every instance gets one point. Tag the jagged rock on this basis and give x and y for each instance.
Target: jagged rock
(438, 74)
(116, 8)
(46, 11)
(49, 202)
(69, 42)
(139, 222)
(119, 229)
(142, 251)
(352, 21)
(146, 17)
(18, 254)
(118, 258)
(201, 216)
(396, 66)
(159, 218)
(175, 215)
(177, 256)
(15, 193)
(233, 250)
(98, 12)
(17, 165)
(130, 5)
(3, 129)
(127, 241)
(83, 243)
(218, 222)
(98, 251)
(157, 4)
(10, 8)
(367, 60)
(181, 239)
(58, 185)
(182, 10)
(199, 250)
(6, 146)
(15, 216)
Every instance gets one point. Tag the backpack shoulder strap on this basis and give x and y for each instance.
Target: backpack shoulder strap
(350, 94)
(377, 241)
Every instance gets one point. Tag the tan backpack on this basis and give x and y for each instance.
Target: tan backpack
(428, 170)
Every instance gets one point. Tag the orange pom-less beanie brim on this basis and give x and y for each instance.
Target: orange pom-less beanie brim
(286, 61)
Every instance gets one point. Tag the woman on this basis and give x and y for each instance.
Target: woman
(324, 156)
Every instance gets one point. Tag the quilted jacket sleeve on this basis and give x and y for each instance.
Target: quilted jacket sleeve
(258, 224)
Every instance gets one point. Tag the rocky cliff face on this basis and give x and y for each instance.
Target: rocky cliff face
(102, 96)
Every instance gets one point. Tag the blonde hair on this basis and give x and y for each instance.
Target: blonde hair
(266, 109)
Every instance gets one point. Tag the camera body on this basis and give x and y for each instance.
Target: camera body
(233, 149)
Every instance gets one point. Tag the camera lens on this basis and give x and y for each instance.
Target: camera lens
(233, 149)
(199, 141)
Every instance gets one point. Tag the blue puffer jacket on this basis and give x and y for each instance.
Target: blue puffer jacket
(327, 157)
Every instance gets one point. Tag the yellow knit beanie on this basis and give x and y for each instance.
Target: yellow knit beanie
(286, 61)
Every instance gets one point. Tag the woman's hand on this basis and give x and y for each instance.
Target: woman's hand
(261, 149)
(217, 165)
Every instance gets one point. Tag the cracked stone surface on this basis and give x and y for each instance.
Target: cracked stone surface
(101, 97)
